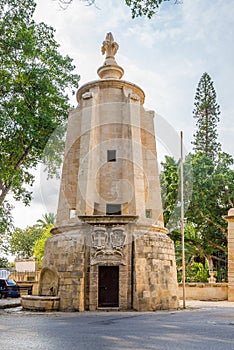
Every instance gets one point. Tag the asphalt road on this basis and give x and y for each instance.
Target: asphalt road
(207, 327)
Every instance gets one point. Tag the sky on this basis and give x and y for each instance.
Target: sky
(166, 56)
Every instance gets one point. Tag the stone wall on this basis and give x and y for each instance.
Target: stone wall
(111, 253)
(144, 256)
(27, 279)
(26, 265)
(230, 219)
(155, 282)
(65, 254)
(110, 116)
(204, 291)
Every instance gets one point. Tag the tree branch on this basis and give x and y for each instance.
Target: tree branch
(6, 188)
(223, 249)
(222, 229)
(217, 258)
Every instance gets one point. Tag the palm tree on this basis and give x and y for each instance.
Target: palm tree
(48, 219)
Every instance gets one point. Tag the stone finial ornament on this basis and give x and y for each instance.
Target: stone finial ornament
(110, 69)
(109, 46)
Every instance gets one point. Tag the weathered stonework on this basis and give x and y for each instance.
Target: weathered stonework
(230, 219)
(155, 271)
(40, 303)
(110, 248)
(144, 254)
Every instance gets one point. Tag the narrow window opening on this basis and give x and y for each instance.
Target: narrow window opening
(113, 209)
(148, 213)
(111, 155)
(72, 213)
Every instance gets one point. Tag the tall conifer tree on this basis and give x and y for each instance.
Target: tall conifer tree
(206, 112)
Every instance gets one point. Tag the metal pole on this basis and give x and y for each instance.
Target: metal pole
(182, 215)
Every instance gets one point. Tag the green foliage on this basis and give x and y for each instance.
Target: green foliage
(6, 224)
(197, 272)
(5, 219)
(206, 113)
(4, 262)
(211, 197)
(221, 273)
(194, 252)
(38, 250)
(34, 81)
(169, 179)
(48, 219)
(170, 189)
(209, 192)
(21, 242)
(30, 241)
(144, 8)
(139, 8)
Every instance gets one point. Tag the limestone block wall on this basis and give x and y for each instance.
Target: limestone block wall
(68, 187)
(124, 288)
(65, 254)
(204, 291)
(149, 155)
(144, 255)
(230, 219)
(155, 277)
(113, 250)
(110, 116)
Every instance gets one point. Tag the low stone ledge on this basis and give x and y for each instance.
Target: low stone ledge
(40, 303)
(108, 219)
(204, 291)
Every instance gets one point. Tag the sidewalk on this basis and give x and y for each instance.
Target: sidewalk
(9, 302)
(189, 304)
(198, 304)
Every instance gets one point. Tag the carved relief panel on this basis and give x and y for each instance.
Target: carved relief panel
(108, 246)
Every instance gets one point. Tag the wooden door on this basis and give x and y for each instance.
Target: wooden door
(108, 286)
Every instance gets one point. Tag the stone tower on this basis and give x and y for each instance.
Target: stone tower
(110, 248)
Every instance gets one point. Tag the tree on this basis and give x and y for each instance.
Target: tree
(213, 176)
(211, 197)
(196, 265)
(30, 241)
(146, 8)
(206, 112)
(39, 247)
(34, 81)
(212, 189)
(170, 189)
(47, 220)
(169, 179)
(21, 241)
(138, 8)
(4, 262)
(5, 219)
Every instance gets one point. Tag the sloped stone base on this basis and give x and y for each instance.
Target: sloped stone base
(155, 282)
(144, 255)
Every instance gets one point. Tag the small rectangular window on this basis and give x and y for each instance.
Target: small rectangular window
(111, 155)
(72, 213)
(148, 213)
(113, 209)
